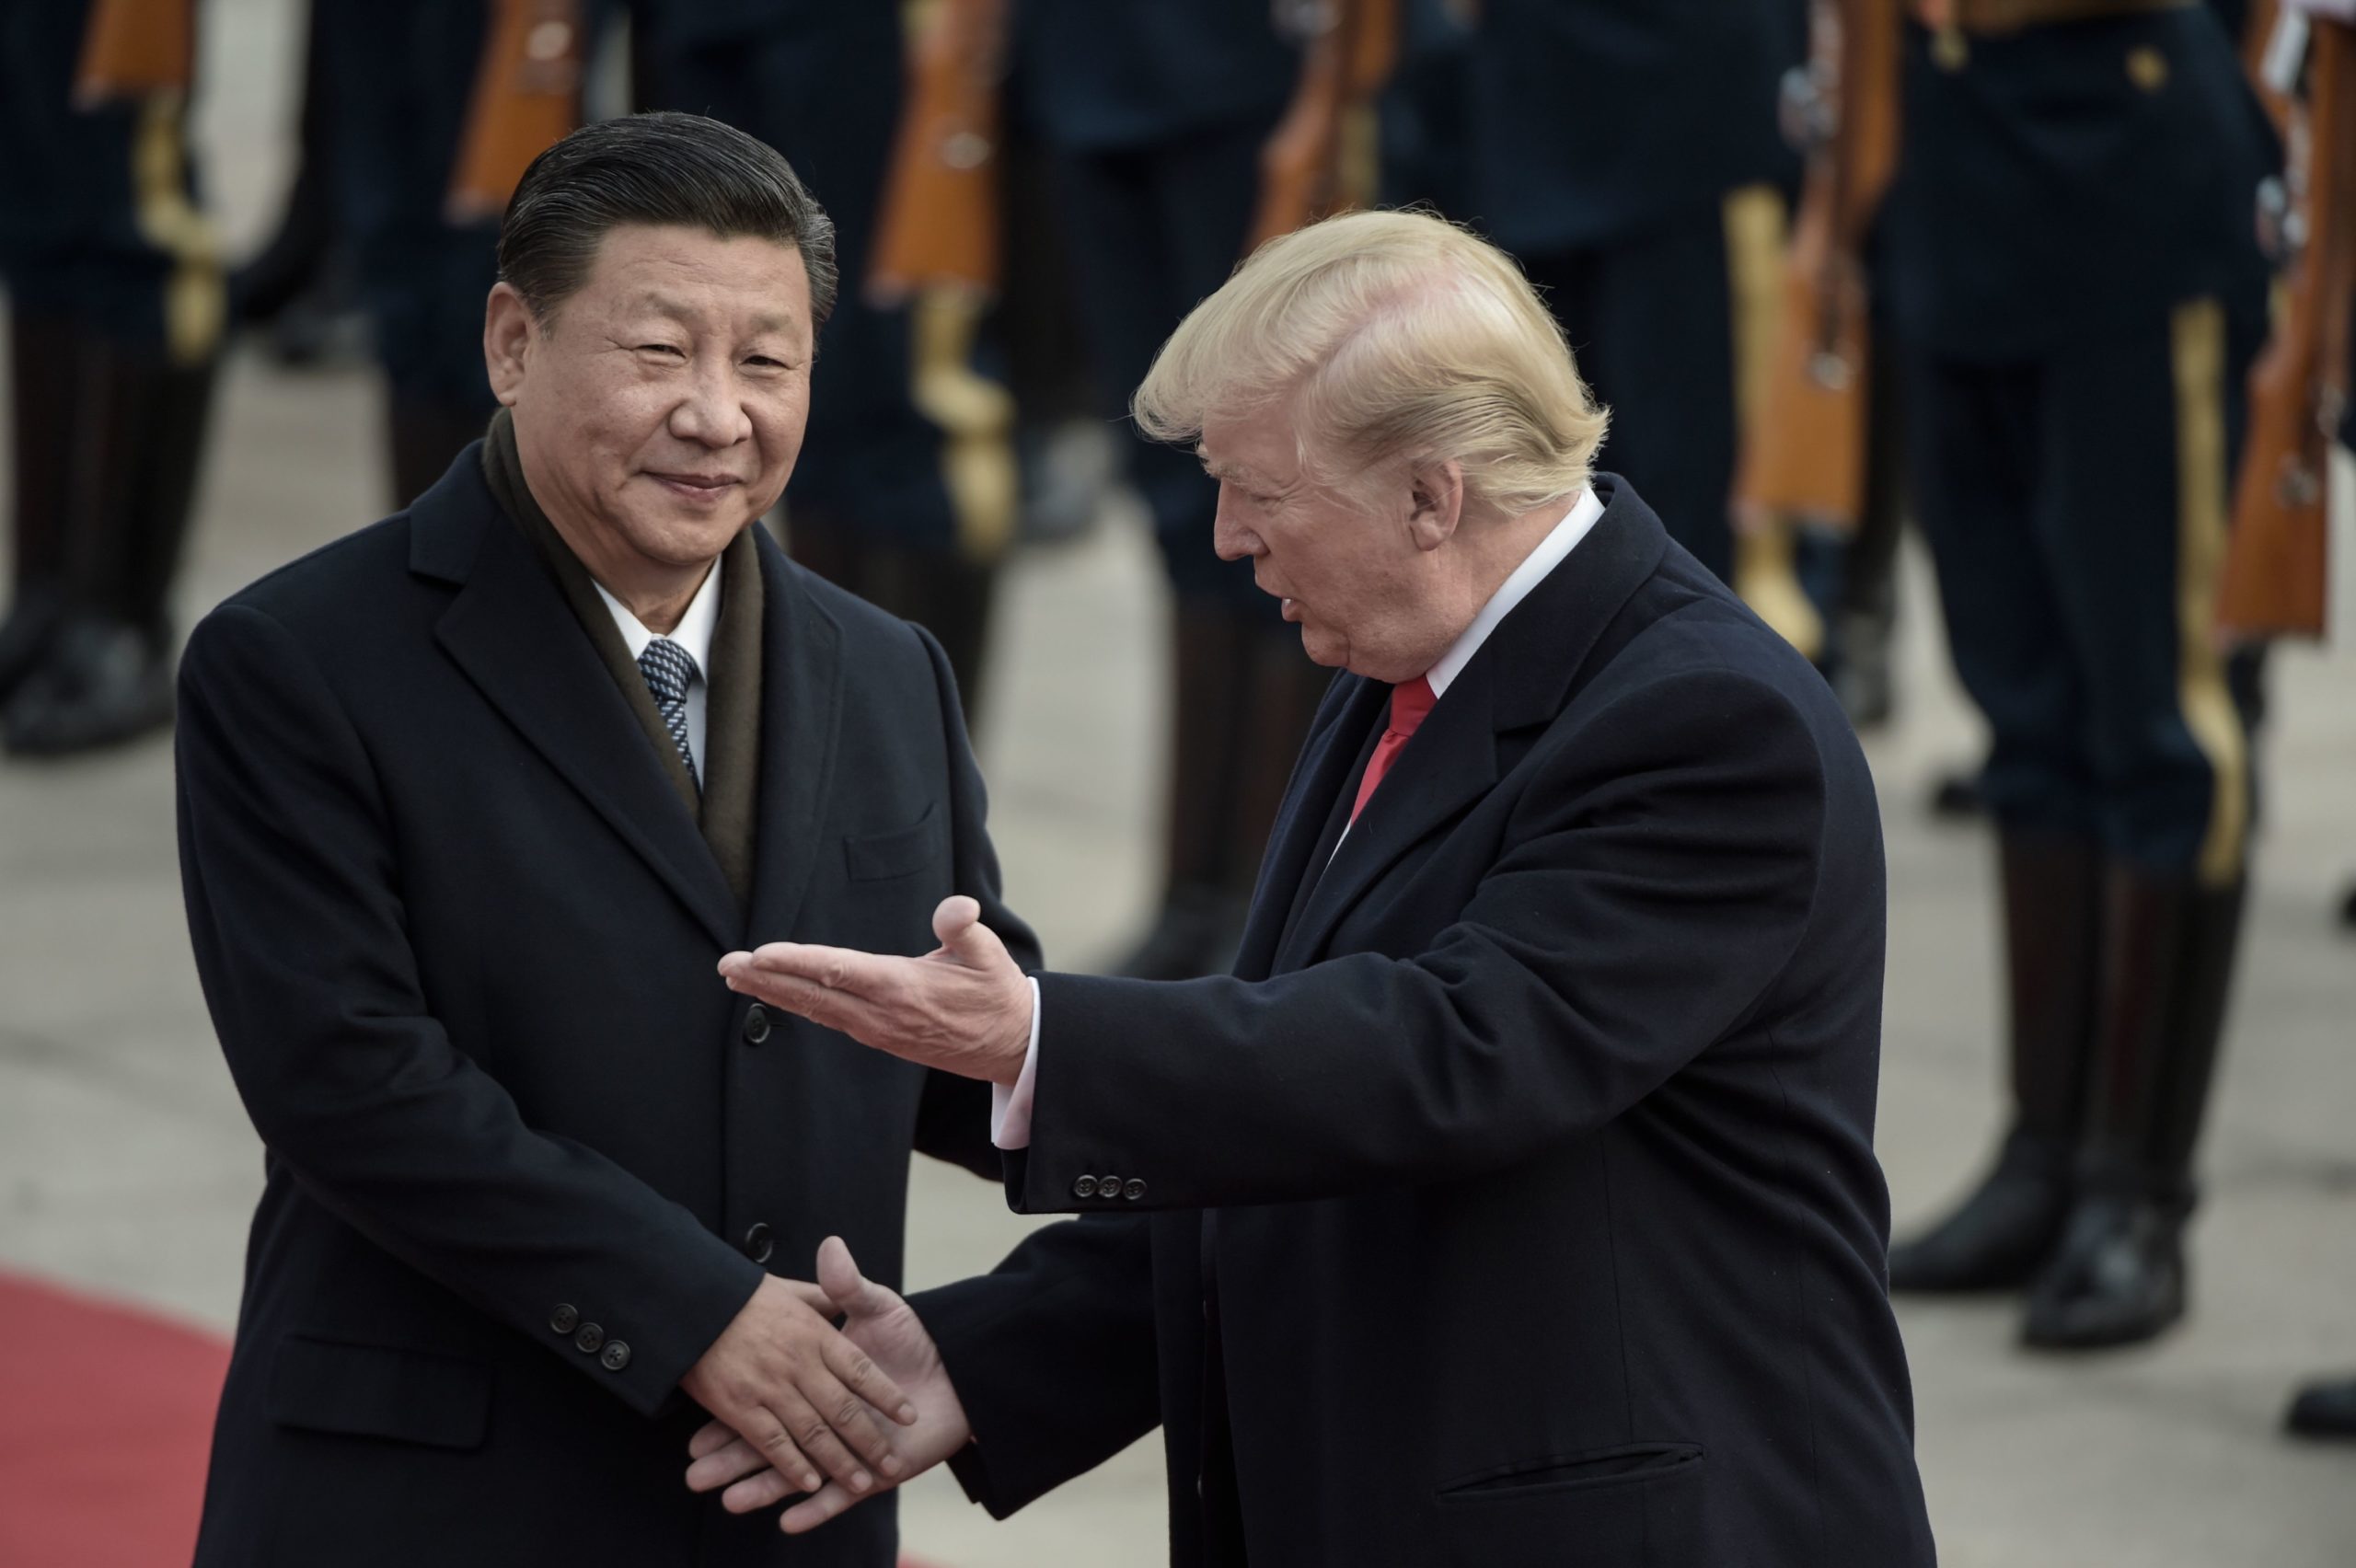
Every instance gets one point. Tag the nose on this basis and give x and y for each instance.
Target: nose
(1230, 535)
(711, 414)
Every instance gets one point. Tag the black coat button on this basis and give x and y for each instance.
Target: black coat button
(760, 1243)
(564, 1319)
(590, 1337)
(617, 1356)
(1108, 1187)
(1133, 1189)
(757, 1024)
(1084, 1188)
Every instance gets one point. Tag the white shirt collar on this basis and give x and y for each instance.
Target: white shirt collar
(693, 634)
(1532, 570)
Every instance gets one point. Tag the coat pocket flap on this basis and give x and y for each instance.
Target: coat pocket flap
(873, 857)
(365, 1391)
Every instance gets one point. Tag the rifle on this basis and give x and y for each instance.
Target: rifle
(1321, 158)
(133, 48)
(939, 222)
(937, 252)
(1804, 450)
(527, 98)
(2274, 581)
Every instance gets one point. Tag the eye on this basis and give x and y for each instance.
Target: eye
(671, 348)
(763, 362)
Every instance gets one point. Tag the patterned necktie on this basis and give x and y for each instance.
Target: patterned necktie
(1409, 703)
(669, 670)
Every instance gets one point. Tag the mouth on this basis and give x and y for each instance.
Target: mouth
(1291, 609)
(699, 489)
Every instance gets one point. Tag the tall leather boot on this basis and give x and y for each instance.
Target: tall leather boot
(108, 675)
(1201, 919)
(1999, 1236)
(2325, 1409)
(422, 438)
(2119, 1276)
(43, 351)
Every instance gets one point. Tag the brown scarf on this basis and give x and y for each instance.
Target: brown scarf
(733, 711)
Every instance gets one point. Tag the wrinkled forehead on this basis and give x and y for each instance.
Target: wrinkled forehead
(1259, 448)
(700, 278)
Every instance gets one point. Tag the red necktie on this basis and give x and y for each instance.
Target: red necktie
(1409, 703)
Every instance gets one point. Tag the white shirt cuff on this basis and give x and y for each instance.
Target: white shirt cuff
(1011, 1108)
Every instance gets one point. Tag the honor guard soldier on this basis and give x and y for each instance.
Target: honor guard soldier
(1626, 152)
(2080, 295)
(1156, 112)
(116, 304)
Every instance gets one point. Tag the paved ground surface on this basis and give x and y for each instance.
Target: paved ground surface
(126, 1163)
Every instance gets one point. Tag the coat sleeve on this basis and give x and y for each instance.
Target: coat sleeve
(1648, 894)
(295, 913)
(1052, 1355)
(954, 1120)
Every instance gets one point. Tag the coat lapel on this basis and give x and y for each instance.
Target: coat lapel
(1522, 677)
(512, 632)
(800, 712)
(1328, 757)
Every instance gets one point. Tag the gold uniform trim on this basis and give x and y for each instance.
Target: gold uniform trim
(974, 415)
(196, 294)
(1764, 575)
(2198, 329)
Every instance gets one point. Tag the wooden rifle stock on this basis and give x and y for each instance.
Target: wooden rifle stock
(1320, 159)
(527, 98)
(1803, 452)
(939, 223)
(132, 48)
(2275, 579)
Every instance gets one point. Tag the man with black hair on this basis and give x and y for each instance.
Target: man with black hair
(470, 803)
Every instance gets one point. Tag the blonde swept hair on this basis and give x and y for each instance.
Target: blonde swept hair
(1396, 338)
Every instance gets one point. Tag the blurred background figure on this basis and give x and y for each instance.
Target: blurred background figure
(116, 309)
(1155, 114)
(1627, 150)
(2080, 296)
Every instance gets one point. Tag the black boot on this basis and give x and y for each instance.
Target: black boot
(43, 352)
(2002, 1233)
(2119, 1276)
(107, 676)
(2326, 1408)
(1200, 922)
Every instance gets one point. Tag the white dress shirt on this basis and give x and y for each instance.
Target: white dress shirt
(1011, 1108)
(693, 635)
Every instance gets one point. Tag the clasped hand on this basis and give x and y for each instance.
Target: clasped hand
(759, 1470)
(963, 1008)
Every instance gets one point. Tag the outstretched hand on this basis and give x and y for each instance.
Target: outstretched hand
(886, 1329)
(965, 1007)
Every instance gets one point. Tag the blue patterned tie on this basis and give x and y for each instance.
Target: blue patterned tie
(669, 670)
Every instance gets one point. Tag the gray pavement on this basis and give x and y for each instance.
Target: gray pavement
(126, 1163)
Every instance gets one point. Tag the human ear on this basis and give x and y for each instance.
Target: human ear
(1435, 502)
(508, 335)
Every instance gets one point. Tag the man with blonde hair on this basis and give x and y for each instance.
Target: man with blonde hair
(1514, 1201)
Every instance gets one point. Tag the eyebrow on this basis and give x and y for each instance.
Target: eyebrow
(1235, 472)
(768, 321)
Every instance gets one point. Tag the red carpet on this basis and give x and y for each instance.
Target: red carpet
(105, 1417)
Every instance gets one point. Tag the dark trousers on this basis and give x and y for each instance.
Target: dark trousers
(1651, 320)
(98, 221)
(2076, 506)
(1155, 230)
(399, 81)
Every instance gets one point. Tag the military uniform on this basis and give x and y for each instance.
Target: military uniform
(116, 305)
(398, 82)
(1154, 112)
(2079, 295)
(1627, 150)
